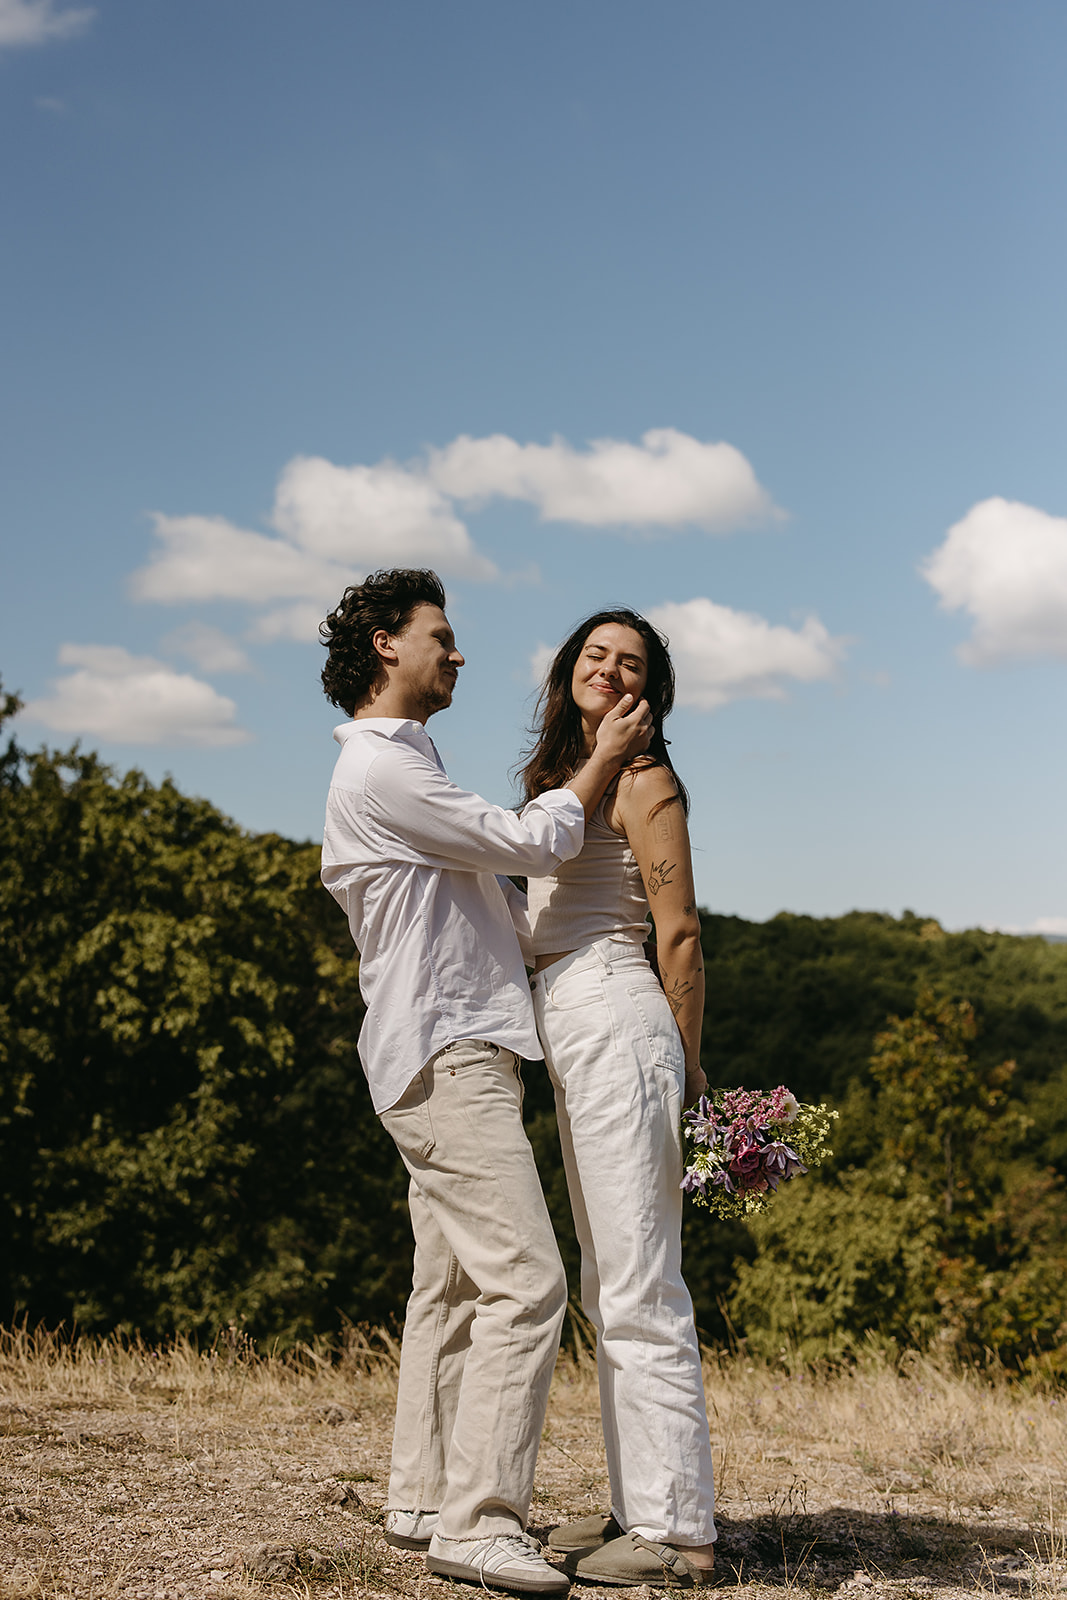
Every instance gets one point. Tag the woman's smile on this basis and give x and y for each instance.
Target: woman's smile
(613, 662)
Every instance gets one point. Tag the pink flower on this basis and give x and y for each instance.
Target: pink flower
(747, 1164)
(784, 1105)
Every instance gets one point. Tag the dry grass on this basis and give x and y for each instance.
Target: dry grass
(138, 1472)
(40, 1365)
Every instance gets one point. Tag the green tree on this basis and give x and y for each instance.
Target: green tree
(185, 1133)
(952, 1230)
(186, 1138)
(797, 1000)
(939, 1109)
(835, 1261)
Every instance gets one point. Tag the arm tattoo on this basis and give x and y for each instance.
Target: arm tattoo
(660, 875)
(677, 993)
(687, 911)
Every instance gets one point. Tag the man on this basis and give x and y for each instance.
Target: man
(413, 860)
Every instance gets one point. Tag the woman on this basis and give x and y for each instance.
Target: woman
(623, 1051)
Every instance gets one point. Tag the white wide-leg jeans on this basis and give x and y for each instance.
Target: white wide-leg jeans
(487, 1302)
(615, 1057)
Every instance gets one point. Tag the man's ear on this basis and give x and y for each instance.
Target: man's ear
(384, 645)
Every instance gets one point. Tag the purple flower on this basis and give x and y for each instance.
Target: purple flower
(782, 1162)
(703, 1123)
(744, 1154)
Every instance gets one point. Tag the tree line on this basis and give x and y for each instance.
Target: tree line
(186, 1140)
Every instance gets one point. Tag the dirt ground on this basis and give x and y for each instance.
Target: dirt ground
(164, 1475)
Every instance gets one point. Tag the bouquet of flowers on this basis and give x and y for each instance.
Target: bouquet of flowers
(747, 1143)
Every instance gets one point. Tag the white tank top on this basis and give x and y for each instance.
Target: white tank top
(597, 893)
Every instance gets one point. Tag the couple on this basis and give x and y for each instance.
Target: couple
(422, 869)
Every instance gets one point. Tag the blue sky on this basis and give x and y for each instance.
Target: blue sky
(749, 315)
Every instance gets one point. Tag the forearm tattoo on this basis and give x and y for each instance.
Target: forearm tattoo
(660, 875)
(677, 992)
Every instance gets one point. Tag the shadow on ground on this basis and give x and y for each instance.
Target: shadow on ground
(843, 1546)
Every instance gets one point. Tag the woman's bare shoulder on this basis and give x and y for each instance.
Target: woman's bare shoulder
(638, 787)
(647, 779)
(645, 788)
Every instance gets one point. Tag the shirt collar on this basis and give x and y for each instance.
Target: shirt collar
(390, 727)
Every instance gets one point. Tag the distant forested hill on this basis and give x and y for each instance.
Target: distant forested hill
(186, 1138)
(798, 1000)
(943, 1217)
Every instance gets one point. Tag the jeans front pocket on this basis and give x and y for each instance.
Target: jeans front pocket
(578, 987)
(408, 1123)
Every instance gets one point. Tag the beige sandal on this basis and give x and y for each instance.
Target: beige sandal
(632, 1560)
(588, 1533)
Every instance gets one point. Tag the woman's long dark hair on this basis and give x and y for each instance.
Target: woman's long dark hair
(558, 740)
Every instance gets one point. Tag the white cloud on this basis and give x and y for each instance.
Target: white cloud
(334, 524)
(300, 621)
(207, 648)
(36, 21)
(722, 655)
(381, 516)
(1048, 927)
(669, 480)
(207, 558)
(135, 700)
(1006, 565)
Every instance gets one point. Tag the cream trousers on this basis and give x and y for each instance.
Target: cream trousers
(615, 1057)
(483, 1321)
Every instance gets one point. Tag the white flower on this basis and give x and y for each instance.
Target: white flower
(790, 1106)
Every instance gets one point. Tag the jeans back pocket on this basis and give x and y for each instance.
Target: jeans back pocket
(660, 1028)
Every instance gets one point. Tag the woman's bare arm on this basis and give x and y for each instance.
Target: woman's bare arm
(660, 843)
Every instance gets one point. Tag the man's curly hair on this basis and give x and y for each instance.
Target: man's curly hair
(386, 600)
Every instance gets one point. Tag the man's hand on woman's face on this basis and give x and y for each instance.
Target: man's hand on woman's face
(626, 731)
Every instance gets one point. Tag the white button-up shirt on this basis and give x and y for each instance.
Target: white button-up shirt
(412, 859)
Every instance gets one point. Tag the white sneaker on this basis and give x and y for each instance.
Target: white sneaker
(410, 1530)
(503, 1561)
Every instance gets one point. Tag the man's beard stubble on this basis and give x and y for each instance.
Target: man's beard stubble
(435, 699)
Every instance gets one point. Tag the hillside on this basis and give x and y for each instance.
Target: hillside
(185, 1135)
